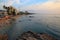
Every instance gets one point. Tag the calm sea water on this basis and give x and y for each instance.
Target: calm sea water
(38, 23)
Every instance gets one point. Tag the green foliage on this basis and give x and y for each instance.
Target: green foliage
(10, 10)
(4, 7)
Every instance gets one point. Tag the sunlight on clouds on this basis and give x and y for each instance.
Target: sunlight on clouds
(17, 1)
(14, 2)
(50, 6)
(47, 7)
(54, 0)
(11, 2)
(8, 3)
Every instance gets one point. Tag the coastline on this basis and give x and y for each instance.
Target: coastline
(7, 20)
(5, 23)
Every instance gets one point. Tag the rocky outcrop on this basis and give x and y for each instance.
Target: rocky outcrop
(4, 37)
(5, 22)
(34, 36)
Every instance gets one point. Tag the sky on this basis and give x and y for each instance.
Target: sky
(37, 6)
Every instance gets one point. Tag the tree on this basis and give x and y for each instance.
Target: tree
(4, 7)
(7, 9)
(10, 10)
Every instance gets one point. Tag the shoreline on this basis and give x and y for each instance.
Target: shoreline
(5, 23)
(7, 20)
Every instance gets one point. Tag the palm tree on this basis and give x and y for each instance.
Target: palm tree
(10, 10)
(4, 7)
(7, 9)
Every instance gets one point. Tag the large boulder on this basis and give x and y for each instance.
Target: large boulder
(35, 36)
(4, 37)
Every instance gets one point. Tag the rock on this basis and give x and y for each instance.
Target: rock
(46, 37)
(4, 37)
(31, 16)
(34, 36)
(20, 21)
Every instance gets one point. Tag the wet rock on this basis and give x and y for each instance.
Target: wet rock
(13, 19)
(44, 36)
(20, 21)
(4, 37)
(31, 16)
(35, 36)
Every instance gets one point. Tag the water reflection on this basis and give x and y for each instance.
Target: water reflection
(37, 23)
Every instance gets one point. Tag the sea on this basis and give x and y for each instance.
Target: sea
(39, 23)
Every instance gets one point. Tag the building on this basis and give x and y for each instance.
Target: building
(2, 13)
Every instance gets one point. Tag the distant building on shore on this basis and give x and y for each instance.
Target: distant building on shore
(3, 13)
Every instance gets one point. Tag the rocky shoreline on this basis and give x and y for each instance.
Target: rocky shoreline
(6, 22)
(4, 37)
(35, 36)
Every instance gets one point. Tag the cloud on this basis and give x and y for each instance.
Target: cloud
(54, 0)
(46, 7)
(11, 2)
(1, 6)
(18, 2)
(8, 3)
(50, 6)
